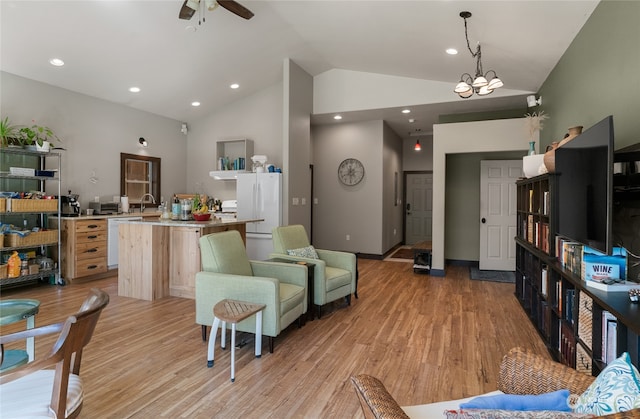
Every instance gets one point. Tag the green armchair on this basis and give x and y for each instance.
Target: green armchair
(334, 273)
(228, 273)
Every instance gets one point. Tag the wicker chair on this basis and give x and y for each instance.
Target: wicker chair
(521, 372)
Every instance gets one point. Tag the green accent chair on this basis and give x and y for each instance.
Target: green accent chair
(227, 272)
(335, 272)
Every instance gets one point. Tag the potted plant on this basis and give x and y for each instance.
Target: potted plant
(9, 133)
(38, 136)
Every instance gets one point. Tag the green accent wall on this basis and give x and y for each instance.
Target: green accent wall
(599, 75)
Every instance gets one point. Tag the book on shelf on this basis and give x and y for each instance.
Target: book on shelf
(530, 227)
(571, 256)
(530, 200)
(543, 280)
(545, 203)
(609, 337)
(569, 301)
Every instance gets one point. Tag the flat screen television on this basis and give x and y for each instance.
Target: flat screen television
(584, 168)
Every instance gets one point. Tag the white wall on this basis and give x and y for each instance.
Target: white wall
(258, 118)
(94, 133)
(391, 196)
(417, 160)
(466, 137)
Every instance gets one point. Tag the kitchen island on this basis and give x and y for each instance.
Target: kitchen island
(159, 258)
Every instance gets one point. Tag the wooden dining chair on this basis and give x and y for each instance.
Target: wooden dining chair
(36, 389)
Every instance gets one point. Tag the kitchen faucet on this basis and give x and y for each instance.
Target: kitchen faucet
(153, 201)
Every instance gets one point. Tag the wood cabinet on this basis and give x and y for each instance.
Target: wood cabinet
(84, 248)
(567, 314)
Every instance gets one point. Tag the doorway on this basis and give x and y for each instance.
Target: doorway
(418, 207)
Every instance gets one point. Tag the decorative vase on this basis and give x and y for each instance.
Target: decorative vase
(532, 148)
(573, 133)
(550, 157)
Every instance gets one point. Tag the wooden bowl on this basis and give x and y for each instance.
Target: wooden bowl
(202, 217)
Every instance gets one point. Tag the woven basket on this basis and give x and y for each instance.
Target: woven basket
(32, 239)
(3, 271)
(3, 204)
(585, 319)
(34, 205)
(583, 360)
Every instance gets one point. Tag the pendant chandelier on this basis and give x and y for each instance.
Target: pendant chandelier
(482, 84)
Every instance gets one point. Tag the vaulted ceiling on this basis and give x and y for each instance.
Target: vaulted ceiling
(109, 46)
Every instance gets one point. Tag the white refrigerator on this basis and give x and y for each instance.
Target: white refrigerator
(259, 196)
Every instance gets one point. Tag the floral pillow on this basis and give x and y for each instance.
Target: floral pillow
(305, 252)
(616, 389)
(512, 414)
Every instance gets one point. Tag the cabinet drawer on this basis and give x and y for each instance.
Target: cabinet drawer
(91, 266)
(91, 225)
(91, 236)
(91, 250)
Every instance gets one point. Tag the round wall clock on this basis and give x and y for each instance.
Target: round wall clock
(350, 172)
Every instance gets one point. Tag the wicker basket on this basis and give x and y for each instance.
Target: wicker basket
(3, 204)
(3, 271)
(33, 205)
(585, 320)
(32, 239)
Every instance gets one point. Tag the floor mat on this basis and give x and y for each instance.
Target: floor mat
(496, 276)
(403, 253)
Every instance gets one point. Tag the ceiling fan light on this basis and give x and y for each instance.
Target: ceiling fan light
(484, 90)
(495, 83)
(480, 81)
(193, 4)
(462, 87)
(466, 95)
(211, 4)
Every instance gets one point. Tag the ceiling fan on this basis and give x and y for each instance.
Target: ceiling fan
(189, 7)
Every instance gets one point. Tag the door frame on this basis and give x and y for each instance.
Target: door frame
(404, 198)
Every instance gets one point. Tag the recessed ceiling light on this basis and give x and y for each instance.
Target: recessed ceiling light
(195, 103)
(406, 110)
(452, 51)
(337, 117)
(412, 120)
(57, 62)
(134, 89)
(234, 86)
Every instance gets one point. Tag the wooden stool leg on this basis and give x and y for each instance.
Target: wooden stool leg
(258, 334)
(233, 352)
(212, 342)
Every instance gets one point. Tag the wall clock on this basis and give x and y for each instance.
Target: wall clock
(350, 172)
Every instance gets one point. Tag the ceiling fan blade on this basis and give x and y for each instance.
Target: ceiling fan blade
(186, 12)
(236, 8)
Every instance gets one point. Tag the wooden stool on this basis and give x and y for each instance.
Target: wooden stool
(233, 311)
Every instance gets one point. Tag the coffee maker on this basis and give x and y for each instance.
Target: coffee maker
(70, 206)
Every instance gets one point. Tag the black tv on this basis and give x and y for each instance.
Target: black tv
(584, 168)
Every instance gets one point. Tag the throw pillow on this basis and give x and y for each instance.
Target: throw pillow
(614, 390)
(305, 252)
(556, 400)
(512, 414)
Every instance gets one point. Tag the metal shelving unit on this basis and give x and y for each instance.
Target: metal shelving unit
(50, 161)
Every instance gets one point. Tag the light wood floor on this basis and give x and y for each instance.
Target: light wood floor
(428, 339)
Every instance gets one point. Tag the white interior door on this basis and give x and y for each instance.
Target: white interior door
(419, 207)
(498, 213)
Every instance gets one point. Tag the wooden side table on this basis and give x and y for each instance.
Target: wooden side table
(233, 311)
(12, 311)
